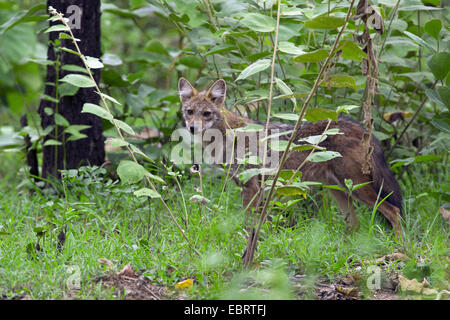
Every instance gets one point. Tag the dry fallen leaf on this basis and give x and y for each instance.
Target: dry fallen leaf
(445, 213)
(409, 285)
(393, 257)
(186, 284)
(106, 262)
(127, 271)
(349, 291)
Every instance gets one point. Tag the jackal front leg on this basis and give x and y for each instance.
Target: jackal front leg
(346, 206)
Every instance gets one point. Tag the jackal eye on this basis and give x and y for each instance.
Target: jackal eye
(190, 112)
(206, 113)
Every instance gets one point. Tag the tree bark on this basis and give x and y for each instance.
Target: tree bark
(90, 150)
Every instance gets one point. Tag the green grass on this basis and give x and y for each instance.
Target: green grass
(105, 220)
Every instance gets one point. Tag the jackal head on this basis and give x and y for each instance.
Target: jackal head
(202, 110)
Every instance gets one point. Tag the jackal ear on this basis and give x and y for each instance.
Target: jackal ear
(218, 92)
(185, 90)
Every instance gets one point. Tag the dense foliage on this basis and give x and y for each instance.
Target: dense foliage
(148, 45)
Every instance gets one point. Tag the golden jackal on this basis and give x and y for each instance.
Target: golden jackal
(206, 110)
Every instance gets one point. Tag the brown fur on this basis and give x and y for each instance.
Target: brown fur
(332, 172)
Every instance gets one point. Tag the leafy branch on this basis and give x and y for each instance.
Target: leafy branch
(130, 170)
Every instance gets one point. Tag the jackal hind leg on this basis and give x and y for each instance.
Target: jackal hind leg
(250, 197)
(250, 193)
(391, 212)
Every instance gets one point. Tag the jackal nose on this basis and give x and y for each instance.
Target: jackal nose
(192, 129)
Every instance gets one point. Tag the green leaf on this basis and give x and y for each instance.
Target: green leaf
(97, 110)
(346, 108)
(156, 46)
(425, 158)
(153, 177)
(109, 98)
(439, 64)
(70, 51)
(305, 147)
(258, 22)
(350, 50)
(74, 68)
(76, 128)
(292, 11)
(278, 145)
(111, 59)
(433, 28)
(286, 116)
(125, 127)
(66, 89)
(419, 41)
(79, 80)
(275, 135)
(114, 79)
(339, 81)
(289, 174)
(442, 122)
(23, 16)
(254, 68)
(323, 156)
(434, 96)
(49, 98)
(115, 142)
(285, 90)
(191, 61)
(315, 140)
(94, 63)
(333, 132)
(140, 152)
(292, 190)
(48, 111)
(359, 186)
(335, 187)
(77, 136)
(251, 127)
(444, 94)
(39, 231)
(63, 35)
(290, 48)
(146, 192)
(9, 140)
(130, 171)
(219, 49)
(112, 8)
(325, 22)
(314, 56)
(317, 114)
(249, 173)
(61, 121)
(57, 28)
(52, 142)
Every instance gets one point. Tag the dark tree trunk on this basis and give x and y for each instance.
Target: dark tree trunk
(90, 150)
(31, 153)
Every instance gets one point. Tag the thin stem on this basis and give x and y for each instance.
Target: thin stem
(272, 73)
(409, 123)
(394, 11)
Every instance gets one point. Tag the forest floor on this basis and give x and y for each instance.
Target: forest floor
(92, 239)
